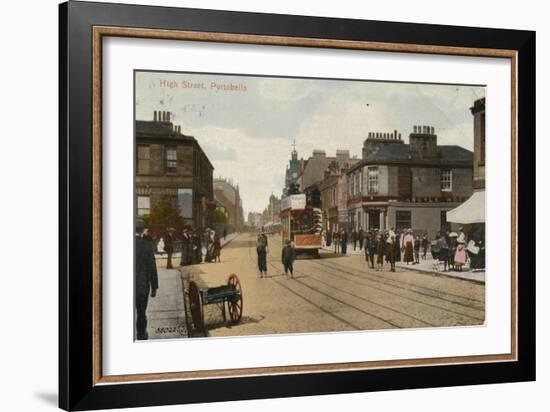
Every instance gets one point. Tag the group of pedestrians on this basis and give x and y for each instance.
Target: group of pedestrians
(388, 247)
(199, 247)
(449, 248)
(338, 240)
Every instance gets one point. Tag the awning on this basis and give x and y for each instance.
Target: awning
(471, 211)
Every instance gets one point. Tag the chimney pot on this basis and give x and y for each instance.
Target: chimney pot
(168, 116)
(155, 115)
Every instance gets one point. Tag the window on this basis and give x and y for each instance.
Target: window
(403, 219)
(446, 180)
(351, 185)
(171, 159)
(372, 180)
(143, 160)
(143, 205)
(357, 183)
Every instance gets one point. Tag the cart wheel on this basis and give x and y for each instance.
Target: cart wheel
(235, 306)
(196, 306)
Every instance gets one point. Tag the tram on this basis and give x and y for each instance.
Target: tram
(302, 224)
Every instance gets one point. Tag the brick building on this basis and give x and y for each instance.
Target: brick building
(408, 185)
(172, 167)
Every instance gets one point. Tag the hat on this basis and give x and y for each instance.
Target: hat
(140, 223)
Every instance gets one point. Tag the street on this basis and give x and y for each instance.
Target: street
(333, 293)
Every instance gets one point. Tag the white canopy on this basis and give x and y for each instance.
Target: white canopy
(471, 211)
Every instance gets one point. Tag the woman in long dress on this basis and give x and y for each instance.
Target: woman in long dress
(216, 248)
(408, 241)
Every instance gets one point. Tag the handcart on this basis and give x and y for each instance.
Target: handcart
(229, 295)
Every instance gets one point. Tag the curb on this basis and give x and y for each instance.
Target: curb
(431, 272)
(229, 241)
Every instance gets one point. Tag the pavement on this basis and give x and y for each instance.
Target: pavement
(165, 312)
(428, 266)
(432, 266)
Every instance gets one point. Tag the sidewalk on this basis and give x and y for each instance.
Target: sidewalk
(165, 312)
(433, 267)
(426, 266)
(349, 251)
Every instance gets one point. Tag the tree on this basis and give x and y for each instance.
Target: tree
(220, 216)
(164, 213)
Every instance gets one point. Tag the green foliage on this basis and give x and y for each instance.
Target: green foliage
(164, 213)
(219, 216)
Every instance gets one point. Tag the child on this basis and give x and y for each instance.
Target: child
(287, 258)
(460, 257)
(417, 250)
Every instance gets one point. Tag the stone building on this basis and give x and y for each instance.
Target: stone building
(333, 191)
(472, 212)
(172, 167)
(274, 209)
(254, 219)
(408, 185)
(313, 174)
(228, 194)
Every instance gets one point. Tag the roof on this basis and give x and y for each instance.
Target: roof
(145, 128)
(449, 155)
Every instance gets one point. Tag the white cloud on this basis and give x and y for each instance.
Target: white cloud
(257, 167)
(285, 90)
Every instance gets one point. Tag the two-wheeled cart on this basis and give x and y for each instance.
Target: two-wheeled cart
(228, 298)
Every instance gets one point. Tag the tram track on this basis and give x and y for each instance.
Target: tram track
(326, 289)
(418, 289)
(441, 308)
(302, 297)
(341, 302)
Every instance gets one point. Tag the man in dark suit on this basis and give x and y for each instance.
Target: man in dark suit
(186, 248)
(344, 241)
(169, 246)
(146, 279)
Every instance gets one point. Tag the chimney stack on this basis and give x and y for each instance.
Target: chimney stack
(423, 143)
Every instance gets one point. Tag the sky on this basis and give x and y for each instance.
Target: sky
(246, 125)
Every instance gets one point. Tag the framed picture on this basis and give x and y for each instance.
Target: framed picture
(256, 206)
